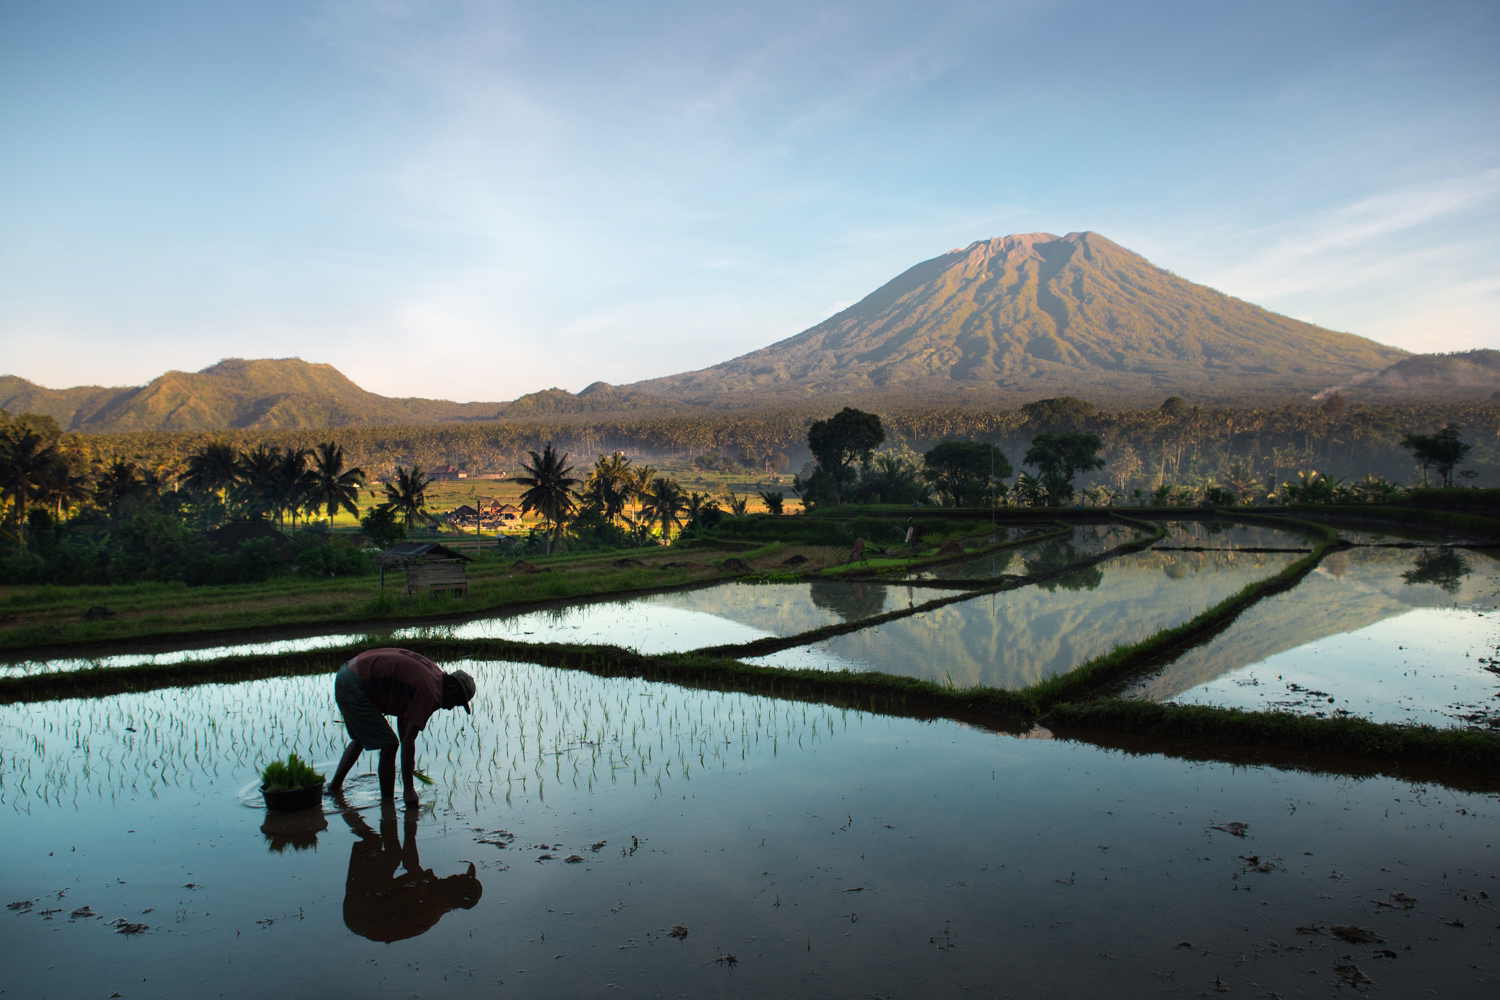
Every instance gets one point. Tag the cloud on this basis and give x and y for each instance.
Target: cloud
(1373, 239)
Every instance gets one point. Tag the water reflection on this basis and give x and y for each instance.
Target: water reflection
(1371, 632)
(1022, 636)
(382, 905)
(1054, 555)
(850, 601)
(1443, 567)
(297, 830)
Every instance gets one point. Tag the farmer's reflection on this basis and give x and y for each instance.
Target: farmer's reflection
(385, 906)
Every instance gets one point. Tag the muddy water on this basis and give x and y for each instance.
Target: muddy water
(1393, 635)
(1019, 637)
(830, 854)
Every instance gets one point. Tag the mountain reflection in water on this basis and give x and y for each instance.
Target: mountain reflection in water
(381, 905)
(1382, 633)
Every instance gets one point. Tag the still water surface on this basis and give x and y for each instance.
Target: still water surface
(1019, 637)
(830, 853)
(1393, 635)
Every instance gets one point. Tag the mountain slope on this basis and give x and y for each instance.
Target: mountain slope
(234, 393)
(1471, 375)
(1029, 315)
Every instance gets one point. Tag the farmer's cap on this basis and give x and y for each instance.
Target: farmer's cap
(465, 685)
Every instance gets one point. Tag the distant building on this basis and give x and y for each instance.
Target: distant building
(447, 472)
(429, 567)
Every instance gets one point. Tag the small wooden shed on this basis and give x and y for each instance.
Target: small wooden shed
(429, 567)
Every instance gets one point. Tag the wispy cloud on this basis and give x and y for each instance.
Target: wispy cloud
(1372, 239)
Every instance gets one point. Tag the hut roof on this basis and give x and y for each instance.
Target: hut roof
(407, 552)
(230, 537)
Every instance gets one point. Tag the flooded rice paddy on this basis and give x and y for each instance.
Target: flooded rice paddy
(593, 837)
(1016, 638)
(1388, 634)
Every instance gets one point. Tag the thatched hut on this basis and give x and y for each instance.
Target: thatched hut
(429, 567)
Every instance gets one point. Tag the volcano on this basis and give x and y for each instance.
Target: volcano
(1025, 316)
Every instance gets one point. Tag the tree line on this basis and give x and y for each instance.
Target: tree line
(846, 467)
(1174, 443)
(70, 513)
(59, 491)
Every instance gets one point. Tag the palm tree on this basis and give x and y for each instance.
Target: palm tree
(26, 463)
(698, 504)
(254, 486)
(610, 485)
(334, 487)
(120, 488)
(773, 499)
(406, 494)
(663, 503)
(292, 484)
(214, 468)
(63, 487)
(549, 488)
(643, 477)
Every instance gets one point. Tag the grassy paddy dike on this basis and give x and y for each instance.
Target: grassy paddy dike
(1082, 703)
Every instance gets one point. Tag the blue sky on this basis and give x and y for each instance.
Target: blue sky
(477, 200)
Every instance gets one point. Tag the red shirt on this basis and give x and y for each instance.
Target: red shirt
(401, 683)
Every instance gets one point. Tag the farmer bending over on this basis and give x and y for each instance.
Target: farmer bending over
(381, 682)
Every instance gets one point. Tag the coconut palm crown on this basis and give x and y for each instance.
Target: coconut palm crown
(406, 494)
(335, 487)
(663, 503)
(549, 487)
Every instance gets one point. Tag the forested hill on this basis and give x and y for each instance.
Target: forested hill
(1028, 316)
(233, 394)
(1462, 375)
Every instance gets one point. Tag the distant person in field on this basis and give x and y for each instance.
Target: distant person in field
(381, 682)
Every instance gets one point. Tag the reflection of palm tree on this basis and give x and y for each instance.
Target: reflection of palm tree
(384, 906)
(549, 488)
(663, 503)
(334, 487)
(406, 494)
